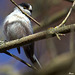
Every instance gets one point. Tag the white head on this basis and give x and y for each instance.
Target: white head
(27, 8)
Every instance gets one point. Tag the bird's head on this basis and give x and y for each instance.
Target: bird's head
(26, 7)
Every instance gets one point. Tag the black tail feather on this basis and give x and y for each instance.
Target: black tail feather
(29, 51)
(18, 48)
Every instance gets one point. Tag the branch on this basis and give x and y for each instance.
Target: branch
(64, 21)
(57, 16)
(25, 13)
(17, 58)
(35, 37)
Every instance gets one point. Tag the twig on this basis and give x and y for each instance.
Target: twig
(25, 13)
(17, 58)
(63, 22)
(55, 17)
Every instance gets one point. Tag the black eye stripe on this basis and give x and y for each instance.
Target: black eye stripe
(25, 5)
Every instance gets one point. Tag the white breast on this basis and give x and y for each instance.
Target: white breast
(18, 16)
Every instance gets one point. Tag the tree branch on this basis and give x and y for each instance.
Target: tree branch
(25, 13)
(55, 17)
(64, 21)
(17, 58)
(35, 37)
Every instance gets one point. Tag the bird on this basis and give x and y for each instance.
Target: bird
(17, 25)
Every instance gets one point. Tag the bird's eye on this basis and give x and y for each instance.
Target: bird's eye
(24, 7)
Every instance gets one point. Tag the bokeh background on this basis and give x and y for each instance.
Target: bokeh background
(46, 49)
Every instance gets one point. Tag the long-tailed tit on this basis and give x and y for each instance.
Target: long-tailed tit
(17, 25)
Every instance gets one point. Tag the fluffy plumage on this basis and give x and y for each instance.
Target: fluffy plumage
(18, 25)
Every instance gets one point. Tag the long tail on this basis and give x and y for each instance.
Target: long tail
(29, 51)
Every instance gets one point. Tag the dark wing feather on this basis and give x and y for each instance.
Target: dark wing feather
(18, 48)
